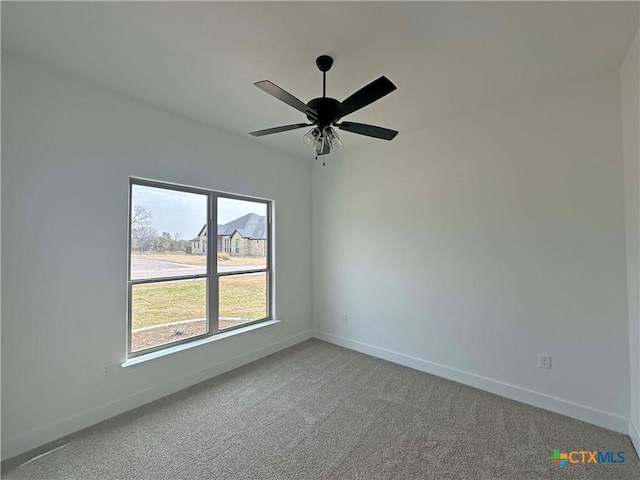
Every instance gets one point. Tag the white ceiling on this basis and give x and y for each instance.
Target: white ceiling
(200, 59)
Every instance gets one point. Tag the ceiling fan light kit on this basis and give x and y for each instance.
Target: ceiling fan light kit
(324, 112)
(331, 136)
(311, 136)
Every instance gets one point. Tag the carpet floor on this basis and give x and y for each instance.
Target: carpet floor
(318, 411)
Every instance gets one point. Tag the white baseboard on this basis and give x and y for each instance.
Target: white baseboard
(634, 433)
(530, 397)
(35, 438)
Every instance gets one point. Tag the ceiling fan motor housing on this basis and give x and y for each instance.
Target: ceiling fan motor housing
(328, 110)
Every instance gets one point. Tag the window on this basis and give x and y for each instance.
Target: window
(179, 289)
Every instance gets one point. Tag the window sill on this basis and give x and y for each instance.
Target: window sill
(196, 343)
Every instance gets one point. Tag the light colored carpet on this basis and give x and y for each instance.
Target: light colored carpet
(317, 411)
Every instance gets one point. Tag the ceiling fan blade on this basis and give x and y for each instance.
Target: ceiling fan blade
(367, 95)
(284, 128)
(368, 130)
(286, 97)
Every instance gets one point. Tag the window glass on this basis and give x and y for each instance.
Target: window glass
(246, 223)
(166, 312)
(242, 299)
(168, 233)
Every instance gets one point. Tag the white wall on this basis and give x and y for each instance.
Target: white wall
(630, 100)
(468, 248)
(68, 149)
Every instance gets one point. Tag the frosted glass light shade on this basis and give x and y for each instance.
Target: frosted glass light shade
(333, 138)
(310, 138)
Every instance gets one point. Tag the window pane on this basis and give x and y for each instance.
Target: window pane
(168, 233)
(242, 235)
(166, 312)
(242, 299)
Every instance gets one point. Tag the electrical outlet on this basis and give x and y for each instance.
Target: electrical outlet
(544, 361)
(107, 368)
(344, 318)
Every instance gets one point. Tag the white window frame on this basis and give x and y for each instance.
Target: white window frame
(212, 275)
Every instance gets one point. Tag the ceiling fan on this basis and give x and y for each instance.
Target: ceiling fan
(325, 112)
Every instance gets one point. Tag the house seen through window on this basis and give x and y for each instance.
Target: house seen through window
(185, 284)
